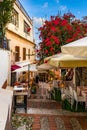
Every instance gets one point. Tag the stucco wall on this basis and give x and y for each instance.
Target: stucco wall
(15, 40)
(4, 67)
(20, 29)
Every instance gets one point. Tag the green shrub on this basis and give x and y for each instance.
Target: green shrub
(67, 106)
(56, 94)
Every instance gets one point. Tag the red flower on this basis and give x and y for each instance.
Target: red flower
(58, 31)
(51, 49)
(28, 29)
(69, 40)
(46, 61)
(48, 43)
(63, 22)
(46, 51)
(56, 39)
(47, 39)
(56, 21)
(53, 28)
(69, 27)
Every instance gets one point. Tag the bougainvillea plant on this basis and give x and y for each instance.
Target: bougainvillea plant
(58, 31)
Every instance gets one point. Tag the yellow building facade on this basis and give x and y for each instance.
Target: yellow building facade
(20, 35)
(21, 39)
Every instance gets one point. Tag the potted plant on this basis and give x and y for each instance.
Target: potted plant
(33, 89)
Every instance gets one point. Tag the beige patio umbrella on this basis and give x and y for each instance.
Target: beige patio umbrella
(44, 66)
(76, 48)
(66, 60)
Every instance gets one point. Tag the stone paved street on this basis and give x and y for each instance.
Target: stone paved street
(49, 115)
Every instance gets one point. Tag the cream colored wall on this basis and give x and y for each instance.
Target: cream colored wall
(15, 40)
(17, 37)
(20, 29)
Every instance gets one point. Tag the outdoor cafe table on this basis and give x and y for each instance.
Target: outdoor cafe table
(18, 92)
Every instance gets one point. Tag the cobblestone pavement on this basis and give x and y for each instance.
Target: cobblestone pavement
(49, 115)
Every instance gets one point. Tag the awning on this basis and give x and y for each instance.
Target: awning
(23, 63)
(31, 67)
(14, 67)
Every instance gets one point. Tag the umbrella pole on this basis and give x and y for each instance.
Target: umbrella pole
(28, 75)
(74, 77)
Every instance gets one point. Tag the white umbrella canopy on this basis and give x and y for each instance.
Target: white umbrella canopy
(76, 48)
(66, 60)
(44, 66)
